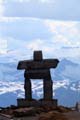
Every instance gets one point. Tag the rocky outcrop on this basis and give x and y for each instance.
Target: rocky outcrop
(52, 116)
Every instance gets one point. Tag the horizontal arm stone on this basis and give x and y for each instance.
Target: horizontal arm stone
(32, 65)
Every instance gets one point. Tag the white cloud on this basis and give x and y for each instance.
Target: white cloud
(47, 1)
(67, 53)
(39, 44)
(2, 1)
(21, 1)
(65, 33)
(42, 1)
(36, 45)
(60, 26)
(3, 46)
(51, 9)
(9, 19)
(9, 1)
(1, 9)
(14, 19)
(61, 39)
(60, 47)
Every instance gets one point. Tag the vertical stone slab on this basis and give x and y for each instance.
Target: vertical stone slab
(28, 91)
(37, 56)
(48, 91)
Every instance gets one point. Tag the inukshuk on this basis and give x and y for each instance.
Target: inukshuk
(38, 68)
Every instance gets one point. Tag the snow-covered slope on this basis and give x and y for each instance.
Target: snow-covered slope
(67, 70)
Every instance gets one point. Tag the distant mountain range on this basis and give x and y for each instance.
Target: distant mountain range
(66, 87)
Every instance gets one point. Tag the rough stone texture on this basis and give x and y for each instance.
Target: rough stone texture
(44, 112)
(52, 116)
(27, 87)
(38, 68)
(36, 103)
(48, 93)
(37, 74)
(37, 56)
(42, 64)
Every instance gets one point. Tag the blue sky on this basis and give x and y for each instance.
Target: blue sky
(49, 25)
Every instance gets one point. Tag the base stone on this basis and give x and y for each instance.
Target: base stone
(37, 103)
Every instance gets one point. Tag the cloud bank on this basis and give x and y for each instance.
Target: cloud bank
(59, 39)
(43, 9)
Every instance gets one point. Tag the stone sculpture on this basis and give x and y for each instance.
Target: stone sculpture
(38, 68)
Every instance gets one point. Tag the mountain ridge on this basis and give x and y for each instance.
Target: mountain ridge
(65, 83)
